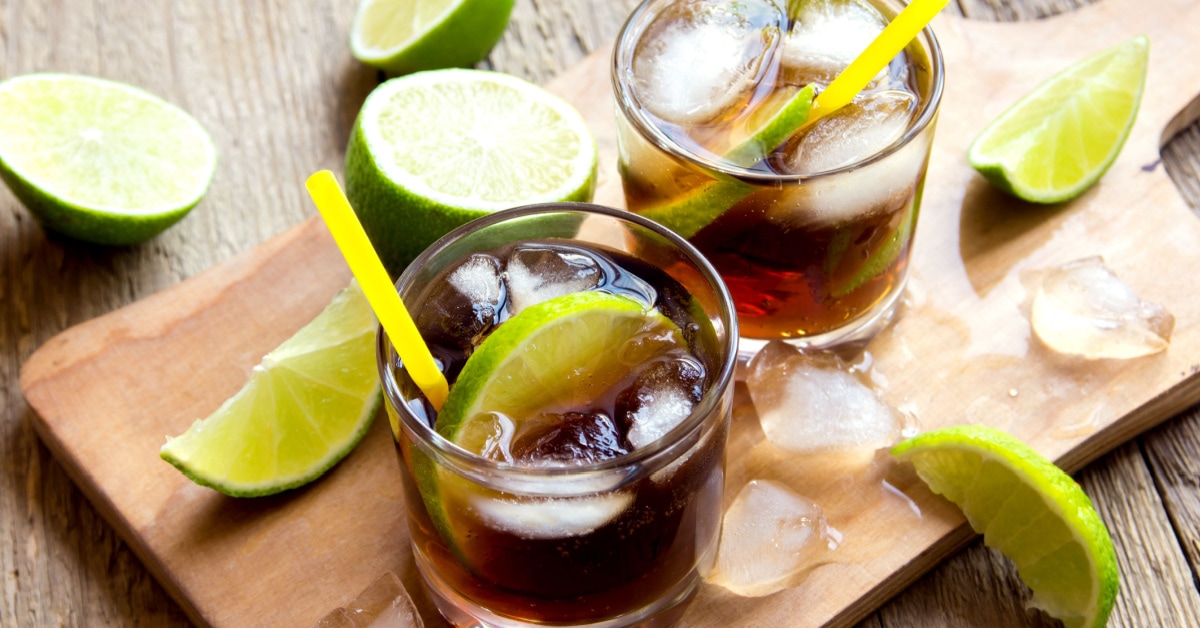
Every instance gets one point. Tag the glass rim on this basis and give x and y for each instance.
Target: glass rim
(465, 459)
(623, 53)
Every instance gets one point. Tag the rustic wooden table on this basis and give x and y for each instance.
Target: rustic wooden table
(228, 63)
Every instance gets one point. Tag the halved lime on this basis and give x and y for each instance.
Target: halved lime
(1059, 139)
(304, 408)
(401, 36)
(550, 357)
(100, 161)
(434, 150)
(689, 214)
(1029, 509)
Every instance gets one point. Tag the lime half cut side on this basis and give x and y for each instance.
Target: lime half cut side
(1028, 509)
(1059, 139)
(98, 160)
(435, 150)
(401, 36)
(305, 407)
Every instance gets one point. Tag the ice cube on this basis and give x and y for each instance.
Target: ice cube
(472, 308)
(700, 57)
(550, 517)
(1083, 309)
(496, 430)
(536, 274)
(384, 604)
(886, 184)
(570, 438)
(860, 129)
(826, 36)
(661, 398)
(811, 402)
(770, 538)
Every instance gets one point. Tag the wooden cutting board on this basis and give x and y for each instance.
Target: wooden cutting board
(108, 391)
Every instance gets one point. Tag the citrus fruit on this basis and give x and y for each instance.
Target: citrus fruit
(402, 36)
(555, 354)
(689, 214)
(1059, 139)
(1028, 509)
(100, 161)
(550, 357)
(304, 408)
(434, 150)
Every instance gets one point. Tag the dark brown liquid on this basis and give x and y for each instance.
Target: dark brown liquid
(807, 280)
(644, 553)
(789, 277)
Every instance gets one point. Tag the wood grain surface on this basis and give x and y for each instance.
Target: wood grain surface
(241, 69)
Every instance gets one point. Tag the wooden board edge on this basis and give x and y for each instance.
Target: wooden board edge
(109, 513)
(947, 545)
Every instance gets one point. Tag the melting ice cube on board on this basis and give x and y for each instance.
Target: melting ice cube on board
(770, 538)
(811, 402)
(1083, 309)
(535, 274)
(700, 57)
(384, 604)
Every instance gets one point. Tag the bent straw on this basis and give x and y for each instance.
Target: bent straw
(377, 286)
(878, 54)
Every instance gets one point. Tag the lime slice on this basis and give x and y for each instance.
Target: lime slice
(689, 214)
(402, 36)
(304, 408)
(434, 150)
(550, 357)
(1059, 139)
(883, 257)
(98, 160)
(1027, 508)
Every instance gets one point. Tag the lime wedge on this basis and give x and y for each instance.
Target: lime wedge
(1027, 508)
(100, 161)
(1059, 139)
(434, 150)
(304, 408)
(552, 357)
(549, 357)
(689, 214)
(401, 36)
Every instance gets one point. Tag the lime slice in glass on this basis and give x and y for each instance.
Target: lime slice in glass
(304, 408)
(401, 36)
(551, 357)
(100, 161)
(1028, 509)
(1059, 139)
(689, 214)
(434, 150)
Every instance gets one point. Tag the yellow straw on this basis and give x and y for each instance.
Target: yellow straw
(878, 54)
(375, 283)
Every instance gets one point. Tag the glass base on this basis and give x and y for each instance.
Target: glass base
(463, 612)
(851, 337)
